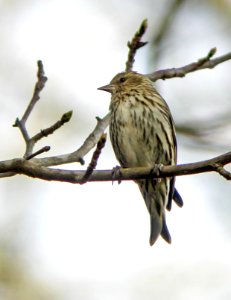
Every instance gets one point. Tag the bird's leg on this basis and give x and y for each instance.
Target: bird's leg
(116, 171)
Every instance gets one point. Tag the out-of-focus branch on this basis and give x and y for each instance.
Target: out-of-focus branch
(31, 169)
(165, 24)
(204, 130)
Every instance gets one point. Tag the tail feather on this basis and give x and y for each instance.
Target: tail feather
(177, 198)
(165, 232)
(156, 228)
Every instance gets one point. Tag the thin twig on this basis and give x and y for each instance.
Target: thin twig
(135, 44)
(45, 132)
(36, 94)
(204, 63)
(77, 155)
(22, 127)
(42, 150)
(221, 170)
(95, 157)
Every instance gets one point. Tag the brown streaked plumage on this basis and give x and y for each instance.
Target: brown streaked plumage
(142, 134)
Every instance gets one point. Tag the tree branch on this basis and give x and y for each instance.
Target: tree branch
(42, 150)
(165, 25)
(21, 123)
(32, 169)
(203, 63)
(221, 170)
(95, 157)
(45, 132)
(40, 84)
(135, 44)
(77, 155)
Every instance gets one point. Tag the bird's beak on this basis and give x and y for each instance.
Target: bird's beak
(110, 88)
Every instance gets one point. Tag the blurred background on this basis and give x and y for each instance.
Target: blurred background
(62, 241)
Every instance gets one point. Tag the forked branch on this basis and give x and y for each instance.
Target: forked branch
(21, 123)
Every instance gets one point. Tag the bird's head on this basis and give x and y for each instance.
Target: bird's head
(125, 82)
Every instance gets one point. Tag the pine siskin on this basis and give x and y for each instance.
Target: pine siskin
(142, 134)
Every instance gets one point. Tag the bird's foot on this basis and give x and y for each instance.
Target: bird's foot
(116, 172)
(156, 170)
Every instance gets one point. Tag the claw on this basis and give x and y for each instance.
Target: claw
(115, 171)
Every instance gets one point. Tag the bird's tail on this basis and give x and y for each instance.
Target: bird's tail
(155, 197)
(159, 227)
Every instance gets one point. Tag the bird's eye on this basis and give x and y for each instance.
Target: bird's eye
(122, 79)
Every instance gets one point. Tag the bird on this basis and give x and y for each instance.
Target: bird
(142, 134)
